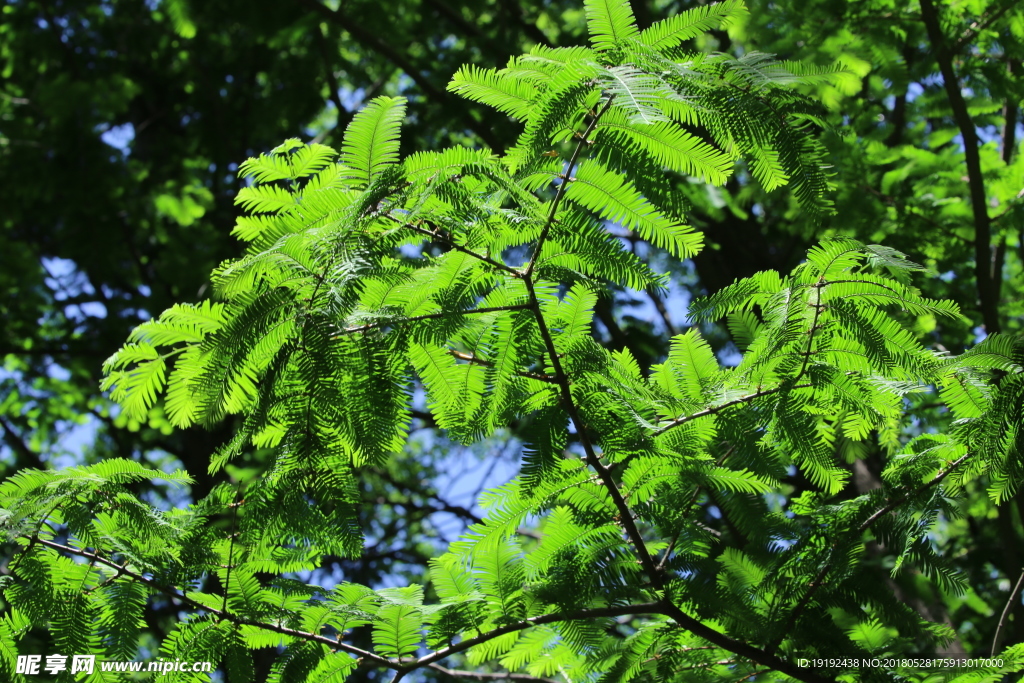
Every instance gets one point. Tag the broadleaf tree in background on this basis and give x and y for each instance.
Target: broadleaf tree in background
(680, 502)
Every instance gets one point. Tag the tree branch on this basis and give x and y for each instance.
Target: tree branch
(332, 82)
(565, 183)
(740, 648)
(979, 26)
(935, 481)
(482, 676)
(819, 578)
(375, 43)
(431, 316)
(659, 306)
(449, 242)
(1006, 613)
(227, 616)
(579, 615)
(624, 513)
(539, 376)
(663, 607)
(22, 451)
(719, 408)
(988, 292)
(443, 505)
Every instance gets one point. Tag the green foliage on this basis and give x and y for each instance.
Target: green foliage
(476, 277)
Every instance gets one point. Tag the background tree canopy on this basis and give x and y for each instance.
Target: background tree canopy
(122, 128)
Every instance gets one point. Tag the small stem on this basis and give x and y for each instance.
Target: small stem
(892, 505)
(1006, 613)
(819, 578)
(485, 676)
(480, 361)
(579, 615)
(231, 547)
(728, 404)
(430, 316)
(565, 183)
(449, 242)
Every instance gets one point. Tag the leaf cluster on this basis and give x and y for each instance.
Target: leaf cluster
(472, 278)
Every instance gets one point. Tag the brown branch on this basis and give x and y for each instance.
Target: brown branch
(814, 326)
(661, 607)
(227, 616)
(562, 379)
(979, 26)
(231, 545)
(819, 578)
(480, 361)
(1006, 613)
(579, 615)
(740, 648)
(449, 242)
(332, 81)
(625, 515)
(565, 184)
(22, 451)
(444, 506)
(892, 505)
(430, 316)
(986, 279)
(719, 408)
(659, 306)
(482, 676)
(689, 508)
(802, 603)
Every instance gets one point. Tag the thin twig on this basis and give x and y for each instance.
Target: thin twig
(579, 615)
(740, 648)
(689, 507)
(1006, 613)
(449, 242)
(624, 513)
(565, 184)
(728, 404)
(819, 578)
(659, 306)
(980, 25)
(483, 676)
(935, 481)
(231, 545)
(480, 361)
(430, 316)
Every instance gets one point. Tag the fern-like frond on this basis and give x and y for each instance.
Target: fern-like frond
(668, 33)
(514, 96)
(371, 139)
(614, 198)
(610, 23)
